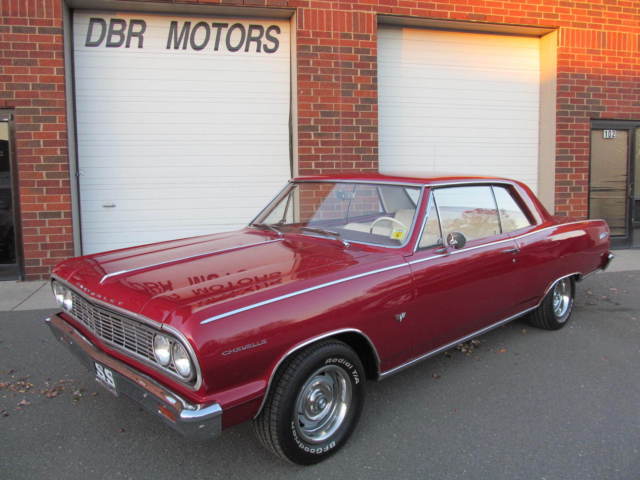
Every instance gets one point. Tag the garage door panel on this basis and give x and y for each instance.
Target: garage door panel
(177, 142)
(458, 102)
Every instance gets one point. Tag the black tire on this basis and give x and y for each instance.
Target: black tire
(553, 313)
(318, 374)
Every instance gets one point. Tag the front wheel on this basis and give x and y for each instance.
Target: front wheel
(555, 310)
(314, 403)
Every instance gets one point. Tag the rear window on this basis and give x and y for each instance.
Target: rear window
(511, 215)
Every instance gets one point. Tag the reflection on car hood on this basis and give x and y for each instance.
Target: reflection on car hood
(177, 279)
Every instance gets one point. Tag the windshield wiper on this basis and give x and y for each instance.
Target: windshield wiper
(268, 227)
(336, 235)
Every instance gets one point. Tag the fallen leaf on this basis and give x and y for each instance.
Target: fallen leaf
(502, 350)
(4, 413)
(436, 376)
(24, 403)
(53, 391)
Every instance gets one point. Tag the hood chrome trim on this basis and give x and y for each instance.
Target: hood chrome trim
(192, 257)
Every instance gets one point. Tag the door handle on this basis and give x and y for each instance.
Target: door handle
(511, 250)
(108, 205)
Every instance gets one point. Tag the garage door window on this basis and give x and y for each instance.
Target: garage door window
(469, 210)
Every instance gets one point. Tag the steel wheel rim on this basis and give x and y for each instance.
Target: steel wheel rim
(561, 299)
(322, 404)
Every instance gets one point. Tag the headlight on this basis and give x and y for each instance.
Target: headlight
(181, 361)
(67, 301)
(162, 349)
(63, 295)
(58, 292)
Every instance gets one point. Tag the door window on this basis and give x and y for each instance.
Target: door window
(469, 210)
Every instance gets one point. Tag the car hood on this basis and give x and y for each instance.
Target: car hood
(171, 282)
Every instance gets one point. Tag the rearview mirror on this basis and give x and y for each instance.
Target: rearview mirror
(456, 240)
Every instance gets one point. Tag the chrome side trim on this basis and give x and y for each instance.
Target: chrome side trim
(354, 277)
(309, 342)
(300, 292)
(191, 257)
(438, 350)
(477, 333)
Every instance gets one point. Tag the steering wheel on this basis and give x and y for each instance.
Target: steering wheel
(391, 219)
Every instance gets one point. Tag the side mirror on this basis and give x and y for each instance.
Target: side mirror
(456, 240)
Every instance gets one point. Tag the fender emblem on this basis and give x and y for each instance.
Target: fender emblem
(248, 346)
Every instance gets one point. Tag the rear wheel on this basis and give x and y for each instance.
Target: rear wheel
(314, 403)
(555, 310)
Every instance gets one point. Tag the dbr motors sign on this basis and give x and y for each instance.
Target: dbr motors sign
(184, 35)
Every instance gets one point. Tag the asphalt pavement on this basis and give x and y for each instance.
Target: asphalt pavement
(524, 404)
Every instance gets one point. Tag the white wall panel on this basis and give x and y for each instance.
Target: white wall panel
(183, 142)
(456, 102)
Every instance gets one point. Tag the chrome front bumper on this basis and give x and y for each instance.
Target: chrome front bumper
(199, 422)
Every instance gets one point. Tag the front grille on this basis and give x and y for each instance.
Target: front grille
(118, 330)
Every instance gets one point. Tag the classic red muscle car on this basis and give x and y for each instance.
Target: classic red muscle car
(337, 281)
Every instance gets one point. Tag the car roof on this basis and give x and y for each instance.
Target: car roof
(419, 180)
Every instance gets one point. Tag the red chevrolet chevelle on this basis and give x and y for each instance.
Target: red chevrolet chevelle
(337, 281)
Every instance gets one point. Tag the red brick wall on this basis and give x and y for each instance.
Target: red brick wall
(598, 72)
(598, 78)
(32, 84)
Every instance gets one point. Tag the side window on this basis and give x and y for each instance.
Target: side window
(511, 215)
(469, 210)
(431, 233)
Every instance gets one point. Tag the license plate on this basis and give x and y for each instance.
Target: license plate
(105, 377)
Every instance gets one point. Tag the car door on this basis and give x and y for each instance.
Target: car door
(460, 291)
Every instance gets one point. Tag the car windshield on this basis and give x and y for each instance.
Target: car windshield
(350, 212)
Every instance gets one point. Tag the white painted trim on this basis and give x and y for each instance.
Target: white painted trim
(300, 292)
(191, 257)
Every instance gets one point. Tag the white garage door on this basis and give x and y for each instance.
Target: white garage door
(182, 124)
(452, 102)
